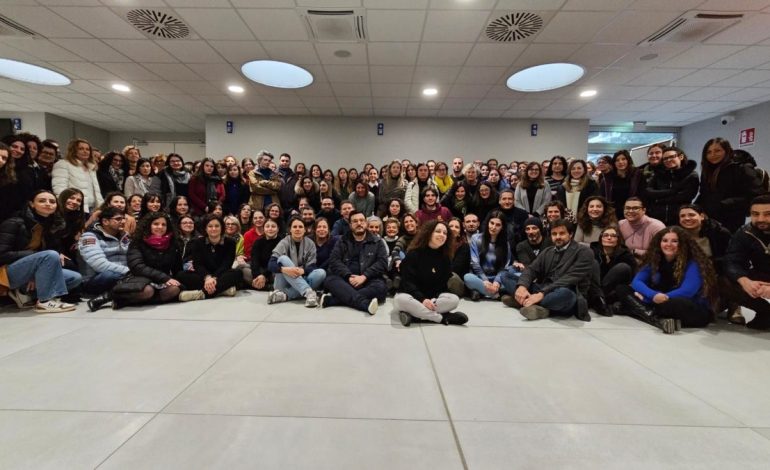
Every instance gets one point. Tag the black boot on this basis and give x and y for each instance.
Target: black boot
(405, 318)
(99, 301)
(600, 305)
(454, 318)
(635, 308)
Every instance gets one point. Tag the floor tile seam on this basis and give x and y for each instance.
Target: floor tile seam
(680, 387)
(46, 410)
(600, 423)
(192, 382)
(455, 436)
(262, 415)
(200, 320)
(3, 357)
(755, 431)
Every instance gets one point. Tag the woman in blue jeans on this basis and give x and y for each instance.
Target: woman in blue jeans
(30, 261)
(294, 263)
(490, 256)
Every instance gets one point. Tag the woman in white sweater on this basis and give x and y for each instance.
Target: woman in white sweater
(78, 170)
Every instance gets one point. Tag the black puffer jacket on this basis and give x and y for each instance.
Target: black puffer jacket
(669, 189)
(748, 251)
(16, 233)
(157, 265)
(728, 203)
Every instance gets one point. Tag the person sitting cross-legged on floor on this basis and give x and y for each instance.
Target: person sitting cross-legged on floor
(556, 283)
(675, 287)
(424, 275)
(356, 268)
(293, 263)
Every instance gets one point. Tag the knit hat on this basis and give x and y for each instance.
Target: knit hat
(534, 221)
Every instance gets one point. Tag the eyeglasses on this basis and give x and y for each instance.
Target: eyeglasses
(633, 209)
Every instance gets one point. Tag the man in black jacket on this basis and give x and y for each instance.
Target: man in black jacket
(289, 178)
(556, 283)
(356, 268)
(747, 264)
(525, 252)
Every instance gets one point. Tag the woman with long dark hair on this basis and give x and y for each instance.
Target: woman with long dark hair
(726, 186)
(485, 200)
(112, 172)
(461, 260)
(293, 264)
(154, 258)
(178, 207)
(414, 189)
(616, 263)
(151, 202)
(424, 275)
(343, 185)
(261, 252)
(556, 174)
(490, 255)
(532, 193)
(70, 207)
(676, 285)
(237, 193)
(393, 185)
(10, 190)
(31, 260)
(622, 182)
(143, 181)
(205, 186)
(174, 179)
(212, 256)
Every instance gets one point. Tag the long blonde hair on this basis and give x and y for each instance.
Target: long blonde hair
(72, 152)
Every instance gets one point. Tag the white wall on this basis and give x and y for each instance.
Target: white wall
(693, 137)
(118, 140)
(334, 142)
(31, 122)
(63, 130)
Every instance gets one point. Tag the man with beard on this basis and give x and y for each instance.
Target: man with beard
(514, 216)
(328, 211)
(470, 225)
(356, 268)
(556, 283)
(525, 252)
(289, 179)
(747, 264)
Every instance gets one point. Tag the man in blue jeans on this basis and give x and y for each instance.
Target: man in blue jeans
(102, 250)
(556, 283)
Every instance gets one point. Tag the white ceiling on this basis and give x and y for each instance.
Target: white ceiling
(411, 44)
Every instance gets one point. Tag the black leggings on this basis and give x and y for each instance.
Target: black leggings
(733, 292)
(619, 275)
(194, 281)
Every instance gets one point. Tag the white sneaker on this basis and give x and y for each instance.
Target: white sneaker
(23, 301)
(372, 309)
(276, 296)
(53, 306)
(190, 295)
(311, 299)
(229, 292)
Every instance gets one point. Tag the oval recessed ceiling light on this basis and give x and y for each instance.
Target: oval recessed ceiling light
(120, 87)
(277, 74)
(587, 93)
(235, 88)
(545, 77)
(29, 73)
(430, 92)
(342, 54)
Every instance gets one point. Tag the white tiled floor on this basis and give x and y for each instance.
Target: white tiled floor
(235, 383)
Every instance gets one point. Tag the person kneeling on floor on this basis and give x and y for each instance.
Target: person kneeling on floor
(556, 283)
(424, 275)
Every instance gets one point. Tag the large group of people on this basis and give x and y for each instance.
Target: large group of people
(554, 238)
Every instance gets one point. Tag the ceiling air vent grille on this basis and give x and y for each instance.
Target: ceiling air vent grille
(514, 27)
(8, 27)
(335, 25)
(158, 24)
(693, 27)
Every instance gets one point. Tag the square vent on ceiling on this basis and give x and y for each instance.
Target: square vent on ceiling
(694, 27)
(335, 25)
(8, 27)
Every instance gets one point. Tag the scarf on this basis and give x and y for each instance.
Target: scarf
(158, 242)
(117, 176)
(141, 184)
(211, 186)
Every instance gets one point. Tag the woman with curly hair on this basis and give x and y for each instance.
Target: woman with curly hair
(394, 209)
(595, 214)
(675, 287)
(424, 275)
(533, 193)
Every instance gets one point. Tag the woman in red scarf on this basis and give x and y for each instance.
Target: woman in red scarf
(153, 257)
